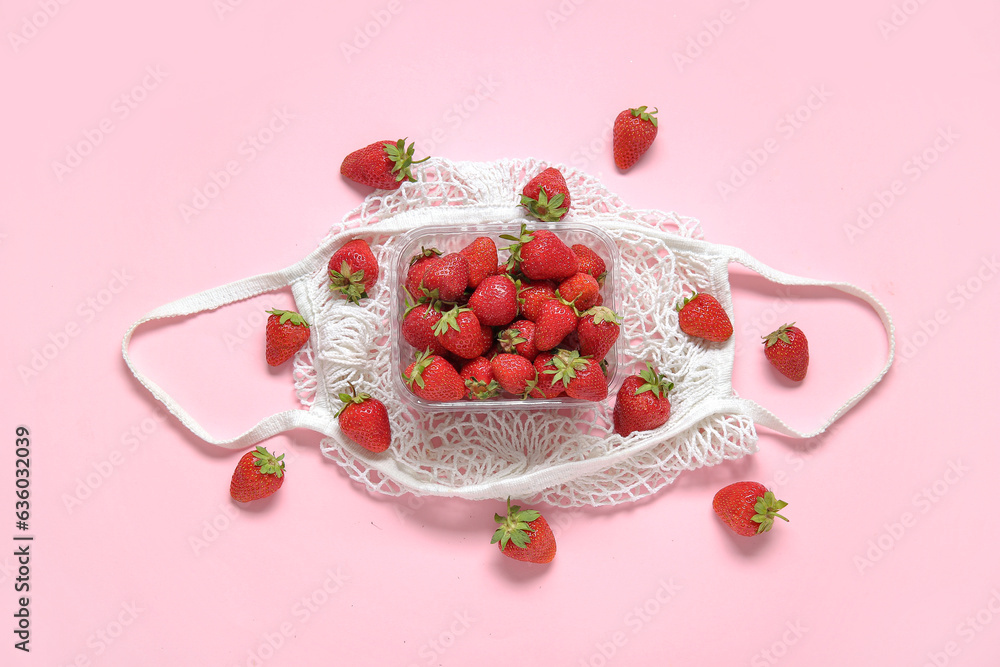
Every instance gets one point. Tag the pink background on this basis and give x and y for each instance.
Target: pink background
(139, 556)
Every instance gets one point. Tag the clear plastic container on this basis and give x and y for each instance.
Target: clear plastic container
(452, 238)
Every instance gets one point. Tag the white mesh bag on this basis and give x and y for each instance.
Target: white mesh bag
(565, 457)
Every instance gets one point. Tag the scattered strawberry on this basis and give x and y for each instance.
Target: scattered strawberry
(519, 338)
(541, 255)
(702, 316)
(545, 384)
(589, 262)
(461, 333)
(580, 289)
(642, 403)
(583, 378)
(556, 319)
(479, 380)
(512, 372)
(258, 474)
(383, 164)
(432, 378)
(353, 270)
(524, 535)
(546, 196)
(788, 350)
(482, 257)
(634, 131)
(446, 277)
(286, 332)
(495, 301)
(418, 327)
(748, 508)
(597, 331)
(365, 421)
(415, 274)
(532, 295)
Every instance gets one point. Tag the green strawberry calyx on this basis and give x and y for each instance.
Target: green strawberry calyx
(654, 382)
(544, 208)
(349, 283)
(602, 314)
(482, 390)
(524, 236)
(267, 463)
(402, 158)
(566, 363)
(642, 114)
(781, 333)
(766, 508)
(514, 526)
(688, 299)
(422, 361)
(449, 320)
(424, 253)
(289, 316)
(509, 339)
(351, 399)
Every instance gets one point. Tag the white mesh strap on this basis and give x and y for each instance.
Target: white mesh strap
(765, 417)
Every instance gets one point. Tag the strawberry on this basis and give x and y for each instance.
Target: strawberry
(788, 350)
(495, 301)
(597, 332)
(461, 333)
(524, 535)
(482, 257)
(541, 255)
(415, 274)
(353, 270)
(479, 380)
(365, 421)
(432, 378)
(702, 316)
(634, 131)
(513, 372)
(580, 289)
(589, 262)
(545, 384)
(642, 402)
(519, 338)
(748, 508)
(546, 196)
(583, 378)
(532, 295)
(447, 277)
(556, 319)
(258, 474)
(418, 327)
(286, 332)
(383, 164)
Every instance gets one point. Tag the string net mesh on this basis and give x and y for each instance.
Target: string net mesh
(446, 452)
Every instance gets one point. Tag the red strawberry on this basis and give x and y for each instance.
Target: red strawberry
(432, 378)
(580, 289)
(479, 380)
(788, 350)
(519, 338)
(495, 301)
(513, 372)
(556, 319)
(545, 384)
(702, 316)
(582, 377)
(418, 327)
(365, 420)
(642, 403)
(532, 295)
(353, 270)
(449, 275)
(589, 262)
(383, 164)
(415, 274)
(524, 535)
(748, 508)
(285, 334)
(541, 255)
(546, 196)
(482, 257)
(634, 131)
(597, 332)
(258, 474)
(461, 333)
